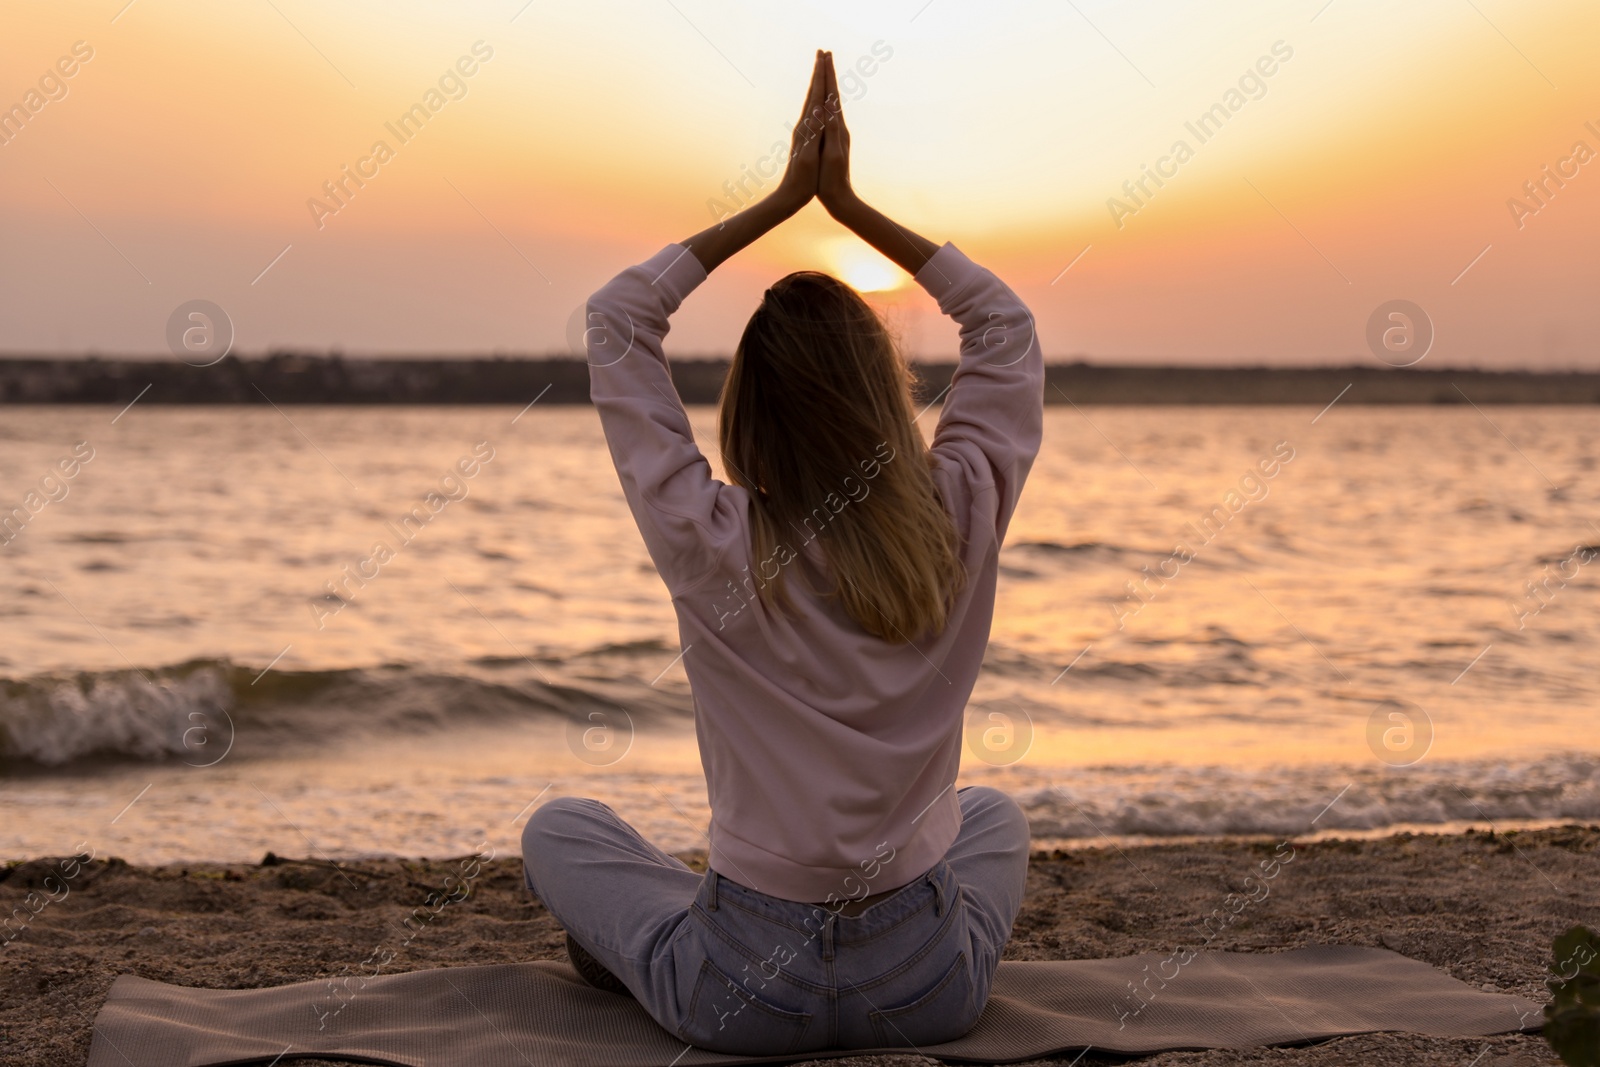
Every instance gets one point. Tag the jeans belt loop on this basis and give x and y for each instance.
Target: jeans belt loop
(827, 936)
(938, 892)
(711, 890)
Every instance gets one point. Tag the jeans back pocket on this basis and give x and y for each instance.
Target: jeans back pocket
(724, 1016)
(943, 1013)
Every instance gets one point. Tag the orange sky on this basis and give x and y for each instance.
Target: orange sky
(1375, 162)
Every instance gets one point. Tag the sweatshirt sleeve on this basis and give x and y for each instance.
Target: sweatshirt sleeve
(686, 516)
(993, 419)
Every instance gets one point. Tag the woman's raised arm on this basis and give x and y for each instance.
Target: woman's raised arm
(905, 247)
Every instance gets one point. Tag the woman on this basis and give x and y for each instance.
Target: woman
(833, 603)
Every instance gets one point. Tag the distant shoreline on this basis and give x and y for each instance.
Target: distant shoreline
(316, 379)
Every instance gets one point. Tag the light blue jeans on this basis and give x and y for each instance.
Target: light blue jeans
(730, 969)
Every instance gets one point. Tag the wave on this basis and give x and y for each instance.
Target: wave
(192, 712)
(1214, 801)
(196, 712)
(1065, 552)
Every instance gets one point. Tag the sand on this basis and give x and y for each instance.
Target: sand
(1483, 907)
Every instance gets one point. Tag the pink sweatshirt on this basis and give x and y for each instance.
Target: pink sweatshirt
(826, 750)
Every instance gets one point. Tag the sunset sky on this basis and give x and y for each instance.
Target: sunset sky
(1375, 162)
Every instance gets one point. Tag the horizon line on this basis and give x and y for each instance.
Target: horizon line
(1355, 363)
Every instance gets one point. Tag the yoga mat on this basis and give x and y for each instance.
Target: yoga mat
(538, 1014)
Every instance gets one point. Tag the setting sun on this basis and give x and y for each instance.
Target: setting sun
(862, 266)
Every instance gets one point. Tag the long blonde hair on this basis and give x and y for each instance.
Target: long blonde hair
(817, 423)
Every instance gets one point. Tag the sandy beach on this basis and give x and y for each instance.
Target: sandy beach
(1481, 906)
